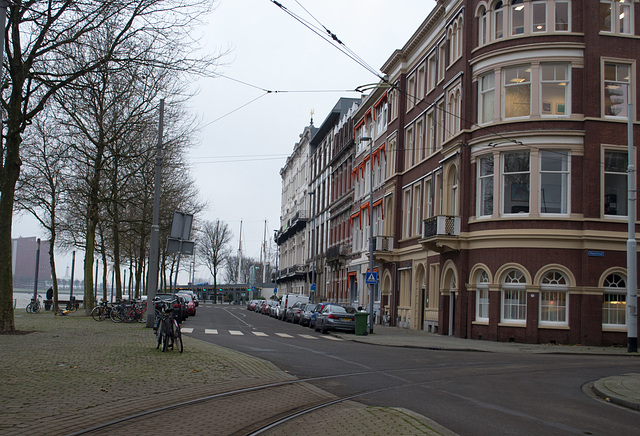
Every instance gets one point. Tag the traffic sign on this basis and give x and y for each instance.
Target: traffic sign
(313, 286)
(371, 278)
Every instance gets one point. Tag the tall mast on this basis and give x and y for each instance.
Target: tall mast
(264, 251)
(239, 255)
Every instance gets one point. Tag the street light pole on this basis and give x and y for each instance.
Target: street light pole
(367, 138)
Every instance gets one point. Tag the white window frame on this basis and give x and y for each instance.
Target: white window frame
(565, 184)
(497, 21)
(565, 83)
(554, 291)
(545, 24)
(616, 85)
(518, 10)
(481, 191)
(620, 189)
(621, 15)
(486, 90)
(510, 175)
(522, 78)
(615, 293)
(556, 24)
(513, 285)
(482, 297)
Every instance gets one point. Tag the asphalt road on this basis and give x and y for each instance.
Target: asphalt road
(470, 393)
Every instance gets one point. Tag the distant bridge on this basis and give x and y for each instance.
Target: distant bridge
(236, 293)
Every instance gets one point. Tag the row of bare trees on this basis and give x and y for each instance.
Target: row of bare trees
(80, 90)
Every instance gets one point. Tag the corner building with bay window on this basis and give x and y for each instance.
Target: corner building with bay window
(505, 187)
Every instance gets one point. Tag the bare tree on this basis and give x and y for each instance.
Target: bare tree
(213, 248)
(231, 269)
(42, 185)
(43, 40)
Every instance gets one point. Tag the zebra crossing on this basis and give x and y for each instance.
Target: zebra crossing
(190, 330)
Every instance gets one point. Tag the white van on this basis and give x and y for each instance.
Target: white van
(289, 300)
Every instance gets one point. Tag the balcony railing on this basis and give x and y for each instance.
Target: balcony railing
(383, 243)
(442, 225)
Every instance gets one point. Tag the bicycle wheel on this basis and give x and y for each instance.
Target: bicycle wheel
(98, 313)
(71, 307)
(177, 336)
(165, 335)
(28, 308)
(115, 315)
(36, 307)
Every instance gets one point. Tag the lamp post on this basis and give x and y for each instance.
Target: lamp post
(368, 138)
(632, 273)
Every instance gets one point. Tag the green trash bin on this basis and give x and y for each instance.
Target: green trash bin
(361, 323)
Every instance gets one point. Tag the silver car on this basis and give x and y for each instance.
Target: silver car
(334, 317)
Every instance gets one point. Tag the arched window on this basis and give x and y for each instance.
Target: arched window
(614, 304)
(482, 297)
(482, 26)
(514, 297)
(554, 298)
(498, 21)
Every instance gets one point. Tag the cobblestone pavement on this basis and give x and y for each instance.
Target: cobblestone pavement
(62, 375)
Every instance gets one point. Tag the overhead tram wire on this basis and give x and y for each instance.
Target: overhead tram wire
(331, 38)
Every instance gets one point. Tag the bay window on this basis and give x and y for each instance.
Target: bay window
(538, 16)
(516, 182)
(517, 91)
(498, 18)
(615, 16)
(554, 87)
(485, 185)
(487, 97)
(517, 17)
(554, 182)
(561, 16)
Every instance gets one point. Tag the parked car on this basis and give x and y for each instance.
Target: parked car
(274, 308)
(288, 300)
(335, 317)
(191, 305)
(252, 304)
(179, 305)
(316, 311)
(294, 313)
(305, 316)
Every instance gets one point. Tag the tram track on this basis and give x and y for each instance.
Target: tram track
(296, 410)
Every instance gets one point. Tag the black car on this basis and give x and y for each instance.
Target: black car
(179, 306)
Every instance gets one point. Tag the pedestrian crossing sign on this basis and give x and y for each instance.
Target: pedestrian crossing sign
(371, 278)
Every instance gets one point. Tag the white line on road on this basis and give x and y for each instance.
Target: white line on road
(187, 329)
(284, 335)
(236, 333)
(260, 334)
(308, 336)
(210, 331)
(332, 338)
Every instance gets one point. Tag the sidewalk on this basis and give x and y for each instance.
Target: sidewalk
(62, 375)
(623, 389)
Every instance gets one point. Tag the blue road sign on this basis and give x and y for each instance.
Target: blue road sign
(371, 278)
(313, 286)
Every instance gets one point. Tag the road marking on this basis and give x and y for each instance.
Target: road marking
(260, 334)
(187, 330)
(284, 335)
(210, 331)
(308, 337)
(332, 338)
(236, 333)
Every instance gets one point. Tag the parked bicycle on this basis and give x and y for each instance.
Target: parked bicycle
(166, 327)
(128, 312)
(102, 311)
(35, 305)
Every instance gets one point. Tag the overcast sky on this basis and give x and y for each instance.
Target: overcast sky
(248, 132)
